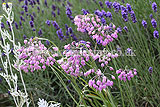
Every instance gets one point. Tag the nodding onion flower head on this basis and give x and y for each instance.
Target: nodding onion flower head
(99, 81)
(35, 56)
(76, 56)
(125, 75)
(96, 27)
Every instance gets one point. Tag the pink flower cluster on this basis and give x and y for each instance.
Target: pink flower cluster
(99, 82)
(126, 74)
(91, 24)
(105, 58)
(35, 56)
(76, 56)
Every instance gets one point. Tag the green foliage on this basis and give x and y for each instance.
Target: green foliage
(140, 91)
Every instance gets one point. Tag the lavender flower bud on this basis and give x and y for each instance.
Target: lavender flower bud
(38, 2)
(24, 37)
(154, 6)
(58, 11)
(0, 80)
(84, 11)
(16, 25)
(156, 34)
(60, 34)
(48, 22)
(66, 26)
(150, 69)
(53, 7)
(109, 14)
(109, 4)
(129, 8)
(2, 25)
(119, 30)
(151, 16)
(103, 21)
(20, 23)
(40, 32)
(116, 6)
(144, 23)
(38, 8)
(31, 24)
(74, 37)
(47, 42)
(22, 12)
(45, 2)
(32, 18)
(101, 4)
(124, 13)
(3, 54)
(125, 28)
(25, 2)
(22, 19)
(133, 16)
(154, 23)
(55, 25)
(53, 13)
(70, 30)
(123, 1)
(26, 8)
